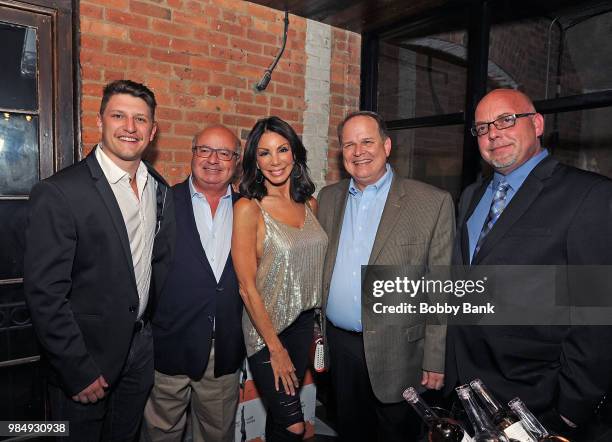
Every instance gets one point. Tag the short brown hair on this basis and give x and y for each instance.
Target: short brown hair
(382, 127)
(128, 87)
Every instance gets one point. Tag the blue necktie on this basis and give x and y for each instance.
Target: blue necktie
(497, 207)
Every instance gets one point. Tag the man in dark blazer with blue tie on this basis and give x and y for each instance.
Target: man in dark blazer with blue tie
(533, 211)
(98, 245)
(199, 347)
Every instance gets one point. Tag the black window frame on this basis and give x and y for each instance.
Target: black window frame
(478, 18)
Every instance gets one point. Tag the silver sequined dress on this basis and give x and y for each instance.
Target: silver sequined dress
(289, 274)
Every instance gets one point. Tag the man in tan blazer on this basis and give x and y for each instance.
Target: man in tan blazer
(379, 218)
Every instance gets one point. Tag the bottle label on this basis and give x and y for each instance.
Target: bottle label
(516, 431)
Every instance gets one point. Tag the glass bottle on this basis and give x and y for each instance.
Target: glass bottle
(532, 424)
(503, 418)
(484, 430)
(441, 429)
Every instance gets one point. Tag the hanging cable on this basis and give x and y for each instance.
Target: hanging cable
(263, 83)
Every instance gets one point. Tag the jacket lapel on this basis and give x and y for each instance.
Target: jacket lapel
(526, 195)
(235, 197)
(106, 193)
(335, 219)
(184, 200)
(161, 193)
(389, 218)
(465, 236)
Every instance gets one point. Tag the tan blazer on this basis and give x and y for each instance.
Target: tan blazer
(416, 228)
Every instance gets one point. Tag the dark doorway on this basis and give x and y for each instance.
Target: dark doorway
(36, 80)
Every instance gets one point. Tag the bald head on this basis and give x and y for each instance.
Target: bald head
(509, 148)
(499, 98)
(217, 131)
(211, 175)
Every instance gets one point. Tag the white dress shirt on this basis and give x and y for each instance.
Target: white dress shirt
(215, 232)
(138, 215)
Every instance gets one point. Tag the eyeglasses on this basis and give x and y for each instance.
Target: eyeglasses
(206, 152)
(501, 123)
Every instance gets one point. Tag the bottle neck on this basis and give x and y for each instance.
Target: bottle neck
(423, 410)
(476, 415)
(529, 421)
(492, 405)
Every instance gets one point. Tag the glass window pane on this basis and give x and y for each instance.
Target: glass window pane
(13, 217)
(422, 76)
(568, 53)
(18, 153)
(18, 73)
(433, 155)
(581, 139)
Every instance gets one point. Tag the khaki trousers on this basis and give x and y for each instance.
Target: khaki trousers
(213, 403)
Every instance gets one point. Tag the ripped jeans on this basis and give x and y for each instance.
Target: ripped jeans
(284, 410)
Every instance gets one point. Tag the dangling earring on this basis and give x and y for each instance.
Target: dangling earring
(259, 176)
(299, 168)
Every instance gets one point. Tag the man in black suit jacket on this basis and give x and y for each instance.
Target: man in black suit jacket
(98, 245)
(197, 329)
(554, 215)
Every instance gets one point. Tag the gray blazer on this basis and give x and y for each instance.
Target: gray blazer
(416, 228)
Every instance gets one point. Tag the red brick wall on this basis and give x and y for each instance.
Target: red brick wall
(202, 59)
(344, 93)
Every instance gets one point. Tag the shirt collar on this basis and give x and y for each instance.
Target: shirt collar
(114, 173)
(195, 193)
(516, 178)
(382, 183)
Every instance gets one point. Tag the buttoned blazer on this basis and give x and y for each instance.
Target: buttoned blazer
(416, 228)
(560, 216)
(79, 278)
(191, 300)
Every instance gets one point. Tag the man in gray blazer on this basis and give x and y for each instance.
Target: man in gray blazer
(379, 218)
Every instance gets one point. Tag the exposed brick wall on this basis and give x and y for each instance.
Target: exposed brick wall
(316, 114)
(202, 59)
(344, 91)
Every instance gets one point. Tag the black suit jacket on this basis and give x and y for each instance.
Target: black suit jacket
(560, 216)
(79, 277)
(191, 298)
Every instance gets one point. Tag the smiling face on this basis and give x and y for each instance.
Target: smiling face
(274, 158)
(364, 151)
(507, 149)
(127, 128)
(213, 174)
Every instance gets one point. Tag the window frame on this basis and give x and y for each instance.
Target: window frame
(478, 19)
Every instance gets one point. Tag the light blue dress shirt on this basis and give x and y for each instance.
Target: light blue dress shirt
(515, 179)
(215, 232)
(359, 226)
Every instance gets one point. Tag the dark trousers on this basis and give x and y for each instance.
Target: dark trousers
(360, 415)
(116, 417)
(284, 410)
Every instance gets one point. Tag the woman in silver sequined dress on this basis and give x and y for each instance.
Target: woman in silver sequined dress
(278, 248)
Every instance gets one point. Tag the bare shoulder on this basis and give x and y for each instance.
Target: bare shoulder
(246, 210)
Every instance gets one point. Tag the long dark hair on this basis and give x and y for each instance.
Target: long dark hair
(252, 185)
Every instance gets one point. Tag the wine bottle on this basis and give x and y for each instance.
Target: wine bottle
(532, 424)
(503, 418)
(440, 429)
(484, 430)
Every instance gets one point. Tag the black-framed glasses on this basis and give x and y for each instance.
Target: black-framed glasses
(503, 122)
(206, 151)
